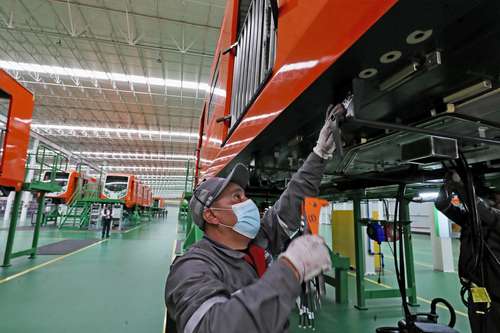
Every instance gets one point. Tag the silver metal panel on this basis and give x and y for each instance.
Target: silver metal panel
(272, 46)
(384, 153)
(253, 52)
(242, 69)
(236, 81)
(244, 61)
(255, 55)
(265, 40)
(258, 58)
(246, 69)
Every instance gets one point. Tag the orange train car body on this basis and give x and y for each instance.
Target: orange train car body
(148, 197)
(143, 196)
(149, 202)
(308, 41)
(159, 202)
(16, 136)
(399, 62)
(68, 182)
(120, 187)
(139, 194)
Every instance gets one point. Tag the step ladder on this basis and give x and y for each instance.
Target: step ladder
(77, 216)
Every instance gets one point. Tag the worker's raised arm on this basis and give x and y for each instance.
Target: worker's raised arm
(454, 212)
(283, 219)
(490, 216)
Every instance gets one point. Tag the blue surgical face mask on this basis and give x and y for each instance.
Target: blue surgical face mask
(248, 218)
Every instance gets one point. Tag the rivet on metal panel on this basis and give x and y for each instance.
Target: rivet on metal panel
(391, 56)
(418, 36)
(368, 73)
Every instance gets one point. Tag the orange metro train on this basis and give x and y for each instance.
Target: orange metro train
(127, 189)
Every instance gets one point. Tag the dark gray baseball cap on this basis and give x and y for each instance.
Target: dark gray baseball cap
(210, 189)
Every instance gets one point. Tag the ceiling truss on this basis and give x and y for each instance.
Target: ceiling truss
(143, 117)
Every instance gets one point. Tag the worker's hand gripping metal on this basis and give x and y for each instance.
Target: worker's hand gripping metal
(313, 289)
(329, 139)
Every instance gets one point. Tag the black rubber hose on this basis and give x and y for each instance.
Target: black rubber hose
(453, 316)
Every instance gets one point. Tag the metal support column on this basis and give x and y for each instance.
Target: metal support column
(409, 261)
(187, 176)
(25, 203)
(8, 206)
(39, 219)
(12, 229)
(136, 218)
(360, 256)
(341, 289)
(364, 294)
(27, 196)
(339, 281)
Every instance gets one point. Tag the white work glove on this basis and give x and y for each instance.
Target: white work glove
(309, 255)
(325, 146)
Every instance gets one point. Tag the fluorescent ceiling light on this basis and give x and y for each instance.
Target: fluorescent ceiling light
(98, 75)
(115, 130)
(128, 167)
(428, 195)
(164, 180)
(164, 183)
(147, 156)
(158, 186)
(145, 177)
(163, 177)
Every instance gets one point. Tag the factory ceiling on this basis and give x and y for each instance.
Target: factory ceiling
(121, 83)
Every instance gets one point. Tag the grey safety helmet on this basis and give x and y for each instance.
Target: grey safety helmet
(210, 189)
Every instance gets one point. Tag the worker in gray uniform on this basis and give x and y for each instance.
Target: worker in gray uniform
(228, 281)
(450, 203)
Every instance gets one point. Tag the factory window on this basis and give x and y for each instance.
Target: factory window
(255, 54)
(116, 183)
(57, 175)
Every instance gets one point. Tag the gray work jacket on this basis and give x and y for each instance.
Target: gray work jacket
(211, 288)
(490, 224)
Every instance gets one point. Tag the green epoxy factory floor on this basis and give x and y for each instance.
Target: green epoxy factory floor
(117, 286)
(113, 286)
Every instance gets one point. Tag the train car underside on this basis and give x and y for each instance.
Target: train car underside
(422, 65)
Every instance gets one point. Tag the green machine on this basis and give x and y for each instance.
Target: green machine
(190, 233)
(45, 159)
(78, 214)
(187, 227)
(356, 197)
(361, 291)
